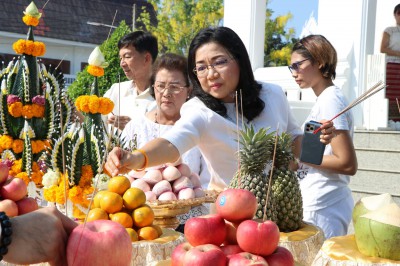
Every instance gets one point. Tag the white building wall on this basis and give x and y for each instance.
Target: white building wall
(74, 52)
(247, 19)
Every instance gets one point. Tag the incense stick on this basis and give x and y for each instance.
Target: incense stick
(374, 89)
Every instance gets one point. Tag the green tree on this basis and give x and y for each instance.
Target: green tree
(279, 41)
(112, 73)
(178, 21)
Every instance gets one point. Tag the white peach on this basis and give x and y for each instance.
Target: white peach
(150, 195)
(186, 193)
(181, 183)
(195, 178)
(141, 184)
(171, 173)
(161, 187)
(167, 196)
(152, 177)
(184, 169)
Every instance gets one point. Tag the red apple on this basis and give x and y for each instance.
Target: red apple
(3, 172)
(257, 237)
(9, 207)
(14, 189)
(230, 201)
(178, 254)
(205, 255)
(246, 259)
(231, 229)
(231, 249)
(207, 229)
(99, 242)
(281, 257)
(27, 205)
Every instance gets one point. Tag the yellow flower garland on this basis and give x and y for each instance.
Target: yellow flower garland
(77, 194)
(95, 71)
(93, 104)
(30, 21)
(17, 145)
(28, 111)
(29, 47)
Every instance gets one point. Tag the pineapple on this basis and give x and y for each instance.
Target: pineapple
(286, 188)
(254, 155)
(284, 203)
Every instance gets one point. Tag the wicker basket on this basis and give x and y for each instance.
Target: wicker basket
(165, 212)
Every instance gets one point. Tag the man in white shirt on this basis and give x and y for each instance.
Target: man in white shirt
(137, 52)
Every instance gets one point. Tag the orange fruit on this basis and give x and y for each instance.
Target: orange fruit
(111, 202)
(133, 198)
(143, 216)
(119, 184)
(96, 199)
(97, 214)
(147, 233)
(132, 233)
(158, 228)
(122, 218)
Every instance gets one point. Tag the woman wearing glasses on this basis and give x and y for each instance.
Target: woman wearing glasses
(327, 199)
(219, 69)
(171, 89)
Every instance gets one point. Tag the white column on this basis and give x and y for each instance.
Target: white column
(247, 19)
(353, 36)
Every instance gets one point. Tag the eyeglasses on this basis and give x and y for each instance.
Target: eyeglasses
(220, 64)
(295, 66)
(172, 88)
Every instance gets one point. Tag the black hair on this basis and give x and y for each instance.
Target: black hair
(396, 9)
(142, 41)
(247, 87)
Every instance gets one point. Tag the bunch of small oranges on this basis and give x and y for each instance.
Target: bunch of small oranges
(125, 205)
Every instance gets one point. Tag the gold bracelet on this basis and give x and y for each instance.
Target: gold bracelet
(146, 160)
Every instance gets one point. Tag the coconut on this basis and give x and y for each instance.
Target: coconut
(371, 203)
(377, 233)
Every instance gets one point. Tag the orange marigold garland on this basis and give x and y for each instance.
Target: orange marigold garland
(30, 21)
(93, 104)
(29, 47)
(95, 71)
(77, 194)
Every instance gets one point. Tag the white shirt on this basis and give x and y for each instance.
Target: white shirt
(127, 101)
(216, 136)
(394, 43)
(321, 189)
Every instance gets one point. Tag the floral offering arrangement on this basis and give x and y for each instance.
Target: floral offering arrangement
(32, 101)
(76, 158)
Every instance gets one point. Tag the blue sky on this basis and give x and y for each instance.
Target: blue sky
(301, 10)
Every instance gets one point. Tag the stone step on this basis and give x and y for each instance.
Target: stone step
(375, 182)
(381, 140)
(383, 160)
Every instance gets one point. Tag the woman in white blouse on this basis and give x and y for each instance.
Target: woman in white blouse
(171, 89)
